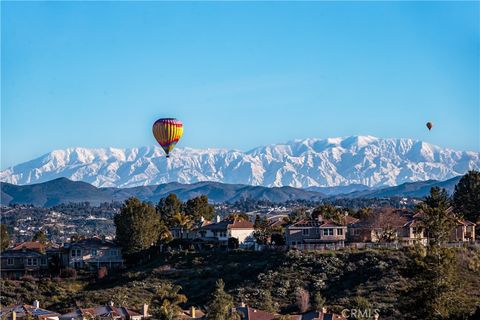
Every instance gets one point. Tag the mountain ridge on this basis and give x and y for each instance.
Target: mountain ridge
(63, 190)
(332, 162)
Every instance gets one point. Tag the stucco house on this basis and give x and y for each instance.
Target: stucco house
(92, 254)
(221, 231)
(317, 233)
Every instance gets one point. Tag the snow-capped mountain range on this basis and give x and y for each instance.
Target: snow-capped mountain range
(367, 160)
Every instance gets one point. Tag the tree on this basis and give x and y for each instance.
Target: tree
(303, 299)
(166, 301)
(278, 239)
(466, 198)
(232, 243)
(182, 221)
(327, 211)
(296, 215)
(199, 207)
(40, 236)
(221, 304)
(168, 207)
(436, 217)
(238, 216)
(436, 286)
(263, 231)
(265, 302)
(4, 237)
(137, 226)
(385, 223)
(318, 301)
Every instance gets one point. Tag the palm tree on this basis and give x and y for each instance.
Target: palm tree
(167, 300)
(183, 221)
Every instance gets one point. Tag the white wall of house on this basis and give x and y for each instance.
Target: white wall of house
(241, 234)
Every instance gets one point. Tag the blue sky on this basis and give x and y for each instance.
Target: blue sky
(237, 74)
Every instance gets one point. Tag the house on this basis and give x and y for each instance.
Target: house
(318, 315)
(318, 233)
(403, 226)
(92, 254)
(248, 313)
(16, 263)
(387, 225)
(463, 231)
(191, 314)
(221, 231)
(108, 311)
(25, 311)
(191, 233)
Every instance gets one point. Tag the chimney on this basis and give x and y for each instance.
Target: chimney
(14, 315)
(36, 304)
(192, 312)
(145, 310)
(217, 218)
(324, 310)
(242, 304)
(202, 219)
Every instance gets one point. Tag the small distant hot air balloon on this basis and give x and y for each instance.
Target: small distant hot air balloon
(167, 132)
(429, 125)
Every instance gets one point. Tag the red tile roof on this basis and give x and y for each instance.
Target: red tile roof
(31, 245)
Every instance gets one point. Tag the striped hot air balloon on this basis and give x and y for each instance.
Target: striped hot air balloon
(167, 132)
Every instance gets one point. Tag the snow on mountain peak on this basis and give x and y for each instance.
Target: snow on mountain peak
(342, 161)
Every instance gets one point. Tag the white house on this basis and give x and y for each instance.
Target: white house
(222, 230)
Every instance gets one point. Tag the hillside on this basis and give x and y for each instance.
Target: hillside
(63, 190)
(356, 160)
(382, 277)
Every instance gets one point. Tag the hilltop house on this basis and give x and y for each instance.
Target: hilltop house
(318, 233)
(403, 226)
(108, 311)
(27, 312)
(92, 254)
(221, 231)
(27, 258)
(191, 233)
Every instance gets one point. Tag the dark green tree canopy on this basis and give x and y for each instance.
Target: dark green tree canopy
(437, 218)
(221, 304)
(40, 236)
(199, 207)
(138, 226)
(168, 207)
(4, 237)
(466, 198)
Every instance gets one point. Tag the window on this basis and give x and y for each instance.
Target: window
(94, 252)
(340, 232)
(43, 262)
(32, 262)
(10, 261)
(305, 232)
(35, 262)
(72, 253)
(328, 232)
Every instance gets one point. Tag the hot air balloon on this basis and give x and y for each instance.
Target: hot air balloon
(429, 125)
(167, 132)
